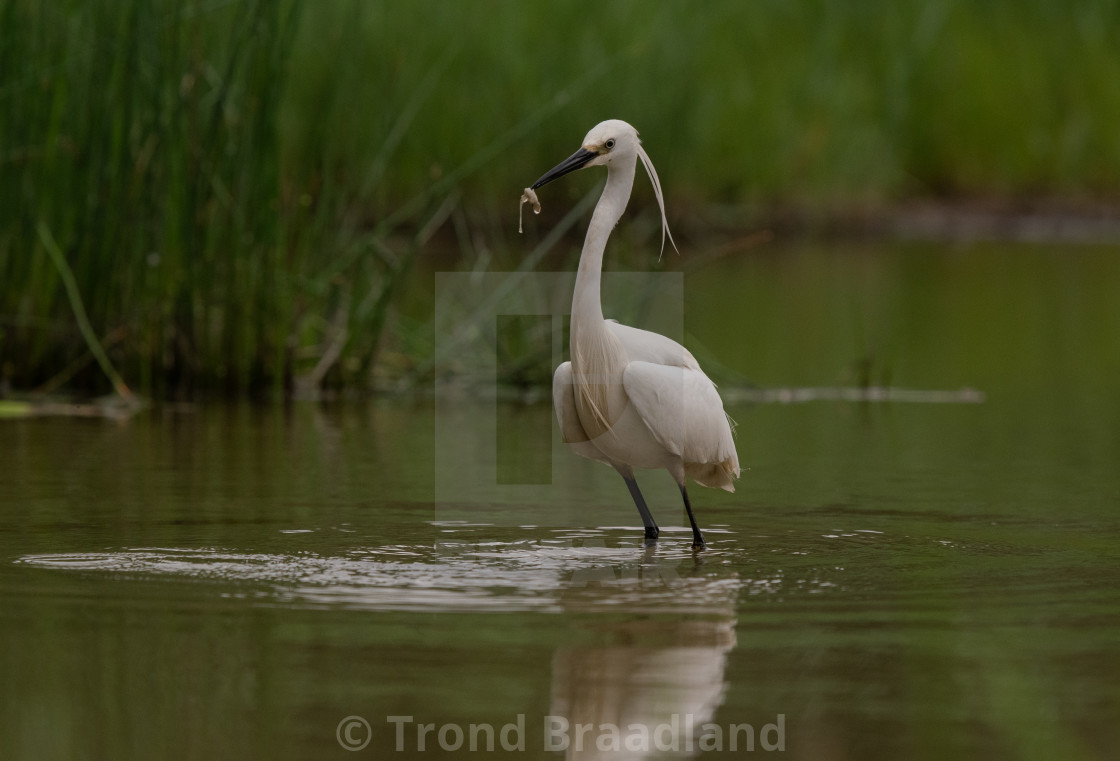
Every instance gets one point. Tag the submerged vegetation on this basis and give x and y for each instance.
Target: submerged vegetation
(239, 191)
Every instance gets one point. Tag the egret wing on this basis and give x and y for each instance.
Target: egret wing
(564, 402)
(684, 412)
(644, 346)
(571, 430)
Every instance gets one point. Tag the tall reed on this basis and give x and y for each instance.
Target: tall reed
(150, 153)
(240, 189)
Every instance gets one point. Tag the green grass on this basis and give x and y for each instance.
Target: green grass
(240, 189)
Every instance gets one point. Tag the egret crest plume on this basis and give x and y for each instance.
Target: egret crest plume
(656, 182)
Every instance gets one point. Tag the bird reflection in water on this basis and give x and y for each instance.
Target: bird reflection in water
(651, 689)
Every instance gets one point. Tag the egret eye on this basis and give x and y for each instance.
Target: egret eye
(609, 144)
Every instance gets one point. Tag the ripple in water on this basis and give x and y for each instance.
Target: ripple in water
(549, 575)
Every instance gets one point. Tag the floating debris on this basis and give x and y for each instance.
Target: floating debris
(853, 394)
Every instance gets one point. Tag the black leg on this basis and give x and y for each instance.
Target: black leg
(647, 518)
(697, 537)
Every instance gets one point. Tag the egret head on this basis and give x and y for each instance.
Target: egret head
(607, 142)
(610, 142)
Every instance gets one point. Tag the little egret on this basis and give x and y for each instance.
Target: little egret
(628, 397)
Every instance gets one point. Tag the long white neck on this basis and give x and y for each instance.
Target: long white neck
(587, 309)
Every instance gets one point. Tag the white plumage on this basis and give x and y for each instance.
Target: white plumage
(628, 397)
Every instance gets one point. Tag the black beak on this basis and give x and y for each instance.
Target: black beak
(577, 160)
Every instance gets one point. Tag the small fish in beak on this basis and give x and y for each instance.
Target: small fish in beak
(529, 196)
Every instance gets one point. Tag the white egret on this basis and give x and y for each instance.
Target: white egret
(628, 397)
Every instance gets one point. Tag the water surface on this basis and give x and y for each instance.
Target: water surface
(891, 580)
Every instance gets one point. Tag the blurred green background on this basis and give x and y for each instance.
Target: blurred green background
(247, 197)
(239, 198)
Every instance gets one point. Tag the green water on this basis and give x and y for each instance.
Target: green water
(891, 580)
